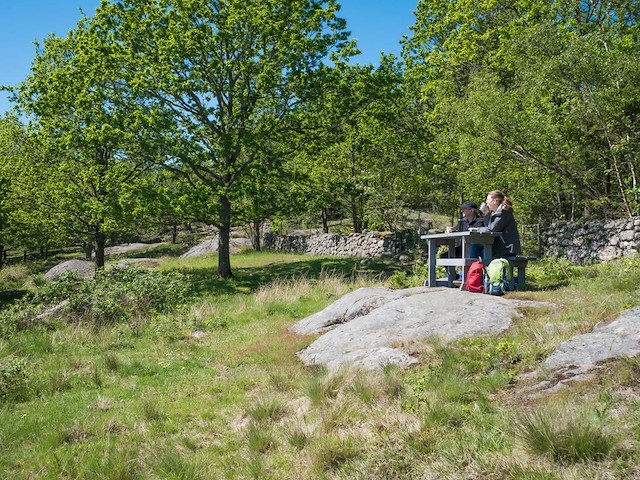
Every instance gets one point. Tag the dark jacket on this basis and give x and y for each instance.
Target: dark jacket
(464, 224)
(508, 245)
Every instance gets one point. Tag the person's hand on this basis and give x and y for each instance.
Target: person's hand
(450, 229)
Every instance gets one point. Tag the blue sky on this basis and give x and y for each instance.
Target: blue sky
(377, 25)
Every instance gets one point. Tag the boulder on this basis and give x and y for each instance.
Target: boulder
(369, 339)
(578, 357)
(83, 268)
(125, 248)
(203, 248)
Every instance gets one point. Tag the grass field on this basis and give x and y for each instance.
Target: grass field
(213, 389)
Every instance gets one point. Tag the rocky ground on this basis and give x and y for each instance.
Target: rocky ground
(370, 327)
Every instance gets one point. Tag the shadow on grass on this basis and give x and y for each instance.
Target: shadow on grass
(249, 279)
(7, 297)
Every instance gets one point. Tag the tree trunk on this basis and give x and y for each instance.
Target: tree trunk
(224, 262)
(100, 249)
(357, 228)
(2, 255)
(174, 233)
(325, 219)
(256, 235)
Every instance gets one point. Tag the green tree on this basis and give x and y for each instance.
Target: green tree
(228, 73)
(25, 222)
(536, 98)
(91, 130)
(368, 155)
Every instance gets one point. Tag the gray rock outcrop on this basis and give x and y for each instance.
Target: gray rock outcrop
(83, 268)
(125, 248)
(368, 336)
(352, 305)
(210, 245)
(578, 357)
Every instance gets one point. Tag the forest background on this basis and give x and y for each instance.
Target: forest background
(156, 114)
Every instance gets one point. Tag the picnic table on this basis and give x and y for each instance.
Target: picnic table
(465, 239)
(451, 261)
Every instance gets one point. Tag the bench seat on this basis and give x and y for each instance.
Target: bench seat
(520, 276)
(455, 262)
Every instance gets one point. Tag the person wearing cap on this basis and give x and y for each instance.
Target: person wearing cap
(470, 218)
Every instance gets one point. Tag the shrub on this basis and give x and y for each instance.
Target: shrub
(119, 295)
(552, 272)
(398, 280)
(416, 277)
(18, 315)
(14, 380)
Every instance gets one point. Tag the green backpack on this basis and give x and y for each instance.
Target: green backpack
(498, 279)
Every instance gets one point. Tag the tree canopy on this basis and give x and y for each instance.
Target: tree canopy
(231, 112)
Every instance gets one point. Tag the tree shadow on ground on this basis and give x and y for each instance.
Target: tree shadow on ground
(249, 279)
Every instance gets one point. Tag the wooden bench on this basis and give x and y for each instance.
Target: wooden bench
(520, 277)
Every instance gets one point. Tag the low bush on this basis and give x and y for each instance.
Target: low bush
(14, 380)
(120, 295)
(551, 273)
(402, 279)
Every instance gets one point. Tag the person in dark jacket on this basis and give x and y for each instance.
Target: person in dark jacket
(501, 219)
(470, 217)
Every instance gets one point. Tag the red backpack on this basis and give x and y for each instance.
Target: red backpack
(475, 277)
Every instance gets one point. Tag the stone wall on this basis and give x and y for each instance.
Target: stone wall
(582, 243)
(592, 241)
(367, 244)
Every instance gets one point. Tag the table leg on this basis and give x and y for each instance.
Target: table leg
(451, 271)
(433, 248)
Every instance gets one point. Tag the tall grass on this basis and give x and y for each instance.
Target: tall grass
(567, 435)
(215, 390)
(14, 277)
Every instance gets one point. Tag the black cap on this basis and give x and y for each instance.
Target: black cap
(469, 204)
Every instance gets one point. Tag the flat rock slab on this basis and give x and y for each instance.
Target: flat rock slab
(392, 317)
(125, 248)
(352, 305)
(578, 357)
(236, 245)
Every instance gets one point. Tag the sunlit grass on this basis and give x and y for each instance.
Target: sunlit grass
(216, 390)
(567, 436)
(13, 277)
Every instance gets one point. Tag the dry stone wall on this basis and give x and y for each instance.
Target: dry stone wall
(366, 245)
(592, 241)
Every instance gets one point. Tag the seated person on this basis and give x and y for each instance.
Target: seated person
(501, 219)
(471, 217)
